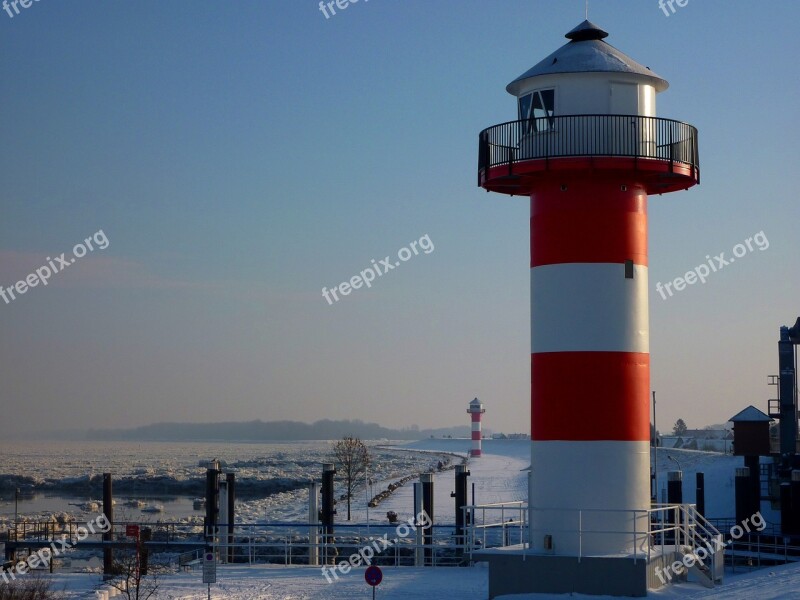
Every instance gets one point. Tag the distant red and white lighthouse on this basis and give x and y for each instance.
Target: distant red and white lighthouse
(587, 149)
(476, 411)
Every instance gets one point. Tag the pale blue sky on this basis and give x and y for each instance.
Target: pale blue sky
(242, 155)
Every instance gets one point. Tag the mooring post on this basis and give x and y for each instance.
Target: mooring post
(313, 523)
(460, 495)
(794, 521)
(675, 487)
(231, 480)
(223, 527)
(212, 499)
(146, 536)
(427, 505)
(108, 536)
(328, 511)
(419, 551)
(700, 495)
(743, 494)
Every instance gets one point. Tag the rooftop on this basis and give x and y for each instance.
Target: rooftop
(750, 415)
(586, 52)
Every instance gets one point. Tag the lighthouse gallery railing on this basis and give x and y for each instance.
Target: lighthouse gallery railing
(588, 135)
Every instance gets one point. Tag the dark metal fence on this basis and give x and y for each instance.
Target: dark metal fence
(182, 544)
(588, 135)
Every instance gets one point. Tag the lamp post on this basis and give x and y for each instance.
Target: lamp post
(675, 460)
(655, 452)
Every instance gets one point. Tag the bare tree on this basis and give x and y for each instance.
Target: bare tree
(352, 459)
(131, 580)
(33, 588)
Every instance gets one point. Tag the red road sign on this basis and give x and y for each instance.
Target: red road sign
(132, 531)
(373, 575)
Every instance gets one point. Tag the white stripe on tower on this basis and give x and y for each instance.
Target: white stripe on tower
(588, 307)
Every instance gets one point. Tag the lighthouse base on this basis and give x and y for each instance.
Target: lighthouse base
(514, 570)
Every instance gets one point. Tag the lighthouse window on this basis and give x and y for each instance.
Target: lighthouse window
(525, 107)
(539, 108)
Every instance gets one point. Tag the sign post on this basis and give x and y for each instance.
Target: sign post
(209, 568)
(373, 576)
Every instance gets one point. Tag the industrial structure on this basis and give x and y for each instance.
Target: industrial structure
(476, 411)
(587, 149)
(785, 406)
(777, 479)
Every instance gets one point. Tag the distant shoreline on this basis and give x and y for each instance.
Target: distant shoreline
(271, 431)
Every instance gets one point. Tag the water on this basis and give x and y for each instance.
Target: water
(174, 507)
(272, 478)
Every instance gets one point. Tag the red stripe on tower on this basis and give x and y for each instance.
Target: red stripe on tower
(607, 397)
(588, 223)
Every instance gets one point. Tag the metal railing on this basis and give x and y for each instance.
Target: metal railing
(188, 560)
(588, 135)
(753, 552)
(659, 530)
(774, 407)
(775, 445)
(291, 545)
(700, 533)
(633, 528)
(507, 525)
(259, 543)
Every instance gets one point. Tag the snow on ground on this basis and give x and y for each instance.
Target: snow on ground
(773, 583)
(719, 470)
(305, 583)
(497, 475)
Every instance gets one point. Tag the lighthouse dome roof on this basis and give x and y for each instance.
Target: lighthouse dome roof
(587, 52)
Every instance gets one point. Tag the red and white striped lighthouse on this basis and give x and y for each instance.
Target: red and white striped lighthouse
(476, 411)
(588, 149)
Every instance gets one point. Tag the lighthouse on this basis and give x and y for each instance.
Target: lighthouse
(476, 411)
(588, 149)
